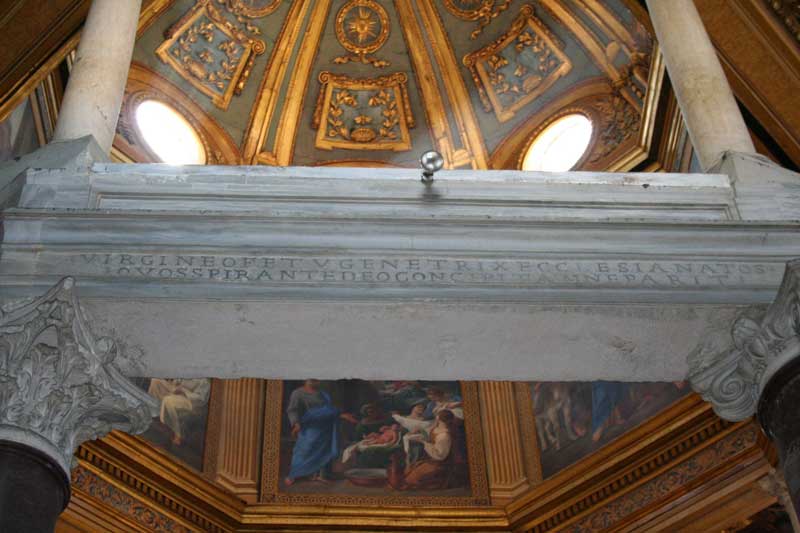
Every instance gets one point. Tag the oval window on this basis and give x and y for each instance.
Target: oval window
(168, 135)
(560, 146)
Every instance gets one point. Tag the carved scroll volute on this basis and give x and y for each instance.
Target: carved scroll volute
(59, 385)
(732, 378)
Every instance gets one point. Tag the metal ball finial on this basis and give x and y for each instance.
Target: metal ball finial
(431, 162)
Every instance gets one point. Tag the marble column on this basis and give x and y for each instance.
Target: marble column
(59, 386)
(96, 84)
(709, 108)
(757, 371)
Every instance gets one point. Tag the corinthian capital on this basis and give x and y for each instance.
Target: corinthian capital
(59, 385)
(732, 378)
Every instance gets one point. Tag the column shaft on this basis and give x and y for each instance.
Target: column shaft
(507, 476)
(96, 85)
(712, 116)
(33, 490)
(237, 454)
(780, 417)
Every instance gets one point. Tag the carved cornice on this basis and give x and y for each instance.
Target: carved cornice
(59, 384)
(732, 378)
(788, 12)
(122, 470)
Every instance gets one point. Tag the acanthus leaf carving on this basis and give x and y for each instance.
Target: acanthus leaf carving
(733, 377)
(59, 384)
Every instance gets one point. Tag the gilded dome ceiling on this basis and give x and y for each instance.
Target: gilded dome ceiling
(378, 82)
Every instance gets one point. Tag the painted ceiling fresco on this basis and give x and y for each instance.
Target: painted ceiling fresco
(377, 82)
(408, 441)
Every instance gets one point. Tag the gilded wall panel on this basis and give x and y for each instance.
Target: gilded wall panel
(363, 114)
(519, 66)
(212, 53)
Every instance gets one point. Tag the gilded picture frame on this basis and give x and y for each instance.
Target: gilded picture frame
(270, 474)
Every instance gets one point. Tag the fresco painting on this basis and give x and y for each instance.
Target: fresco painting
(369, 437)
(574, 419)
(180, 427)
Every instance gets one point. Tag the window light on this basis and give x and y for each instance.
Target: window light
(168, 135)
(560, 146)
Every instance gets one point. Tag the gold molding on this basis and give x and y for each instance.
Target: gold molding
(455, 88)
(607, 21)
(388, 95)
(484, 64)
(586, 38)
(433, 102)
(282, 150)
(235, 68)
(211, 446)
(270, 475)
(527, 430)
(150, 12)
(267, 99)
(364, 163)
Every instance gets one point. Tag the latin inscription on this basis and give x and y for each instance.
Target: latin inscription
(416, 271)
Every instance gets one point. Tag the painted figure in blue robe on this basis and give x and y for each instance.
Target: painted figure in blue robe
(315, 426)
(606, 399)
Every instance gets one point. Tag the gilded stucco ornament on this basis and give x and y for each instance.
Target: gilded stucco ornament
(483, 11)
(519, 66)
(214, 54)
(362, 28)
(363, 113)
(59, 384)
(251, 8)
(732, 379)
